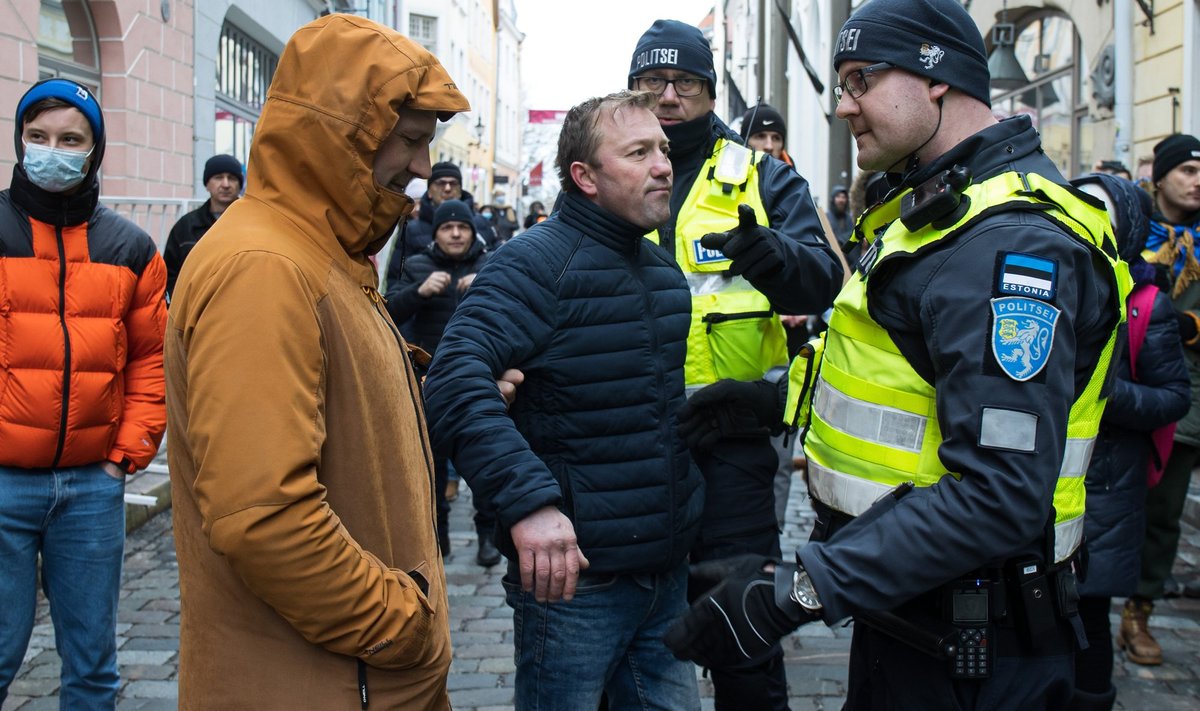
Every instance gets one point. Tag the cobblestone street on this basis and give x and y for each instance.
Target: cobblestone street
(482, 673)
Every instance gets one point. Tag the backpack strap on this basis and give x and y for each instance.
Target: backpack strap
(1141, 302)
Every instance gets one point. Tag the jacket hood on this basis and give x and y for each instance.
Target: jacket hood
(313, 151)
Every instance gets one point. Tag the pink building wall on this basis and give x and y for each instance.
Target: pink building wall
(145, 91)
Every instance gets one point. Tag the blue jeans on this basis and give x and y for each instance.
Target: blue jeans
(608, 639)
(75, 518)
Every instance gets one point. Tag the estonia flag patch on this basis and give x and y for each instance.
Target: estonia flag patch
(1026, 275)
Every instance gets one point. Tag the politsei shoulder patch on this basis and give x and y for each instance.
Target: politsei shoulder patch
(1022, 335)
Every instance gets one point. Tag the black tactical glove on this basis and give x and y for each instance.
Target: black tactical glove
(755, 250)
(730, 408)
(739, 621)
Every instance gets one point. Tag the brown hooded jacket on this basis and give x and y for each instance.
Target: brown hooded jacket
(301, 474)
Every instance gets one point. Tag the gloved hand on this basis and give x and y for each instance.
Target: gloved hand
(730, 408)
(756, 251)
(739, 621)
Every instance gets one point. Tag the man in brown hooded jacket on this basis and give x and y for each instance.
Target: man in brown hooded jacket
(304, 520)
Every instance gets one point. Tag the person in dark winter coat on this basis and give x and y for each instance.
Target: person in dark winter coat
(1157, 394)
(435, 280)
(598, 499)
(223, 181)
(428, 291)
(445, 183)
(841, 219)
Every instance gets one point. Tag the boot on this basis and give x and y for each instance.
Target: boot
(488, 554)
(451, 489)
(1134, 635)
(444, 541)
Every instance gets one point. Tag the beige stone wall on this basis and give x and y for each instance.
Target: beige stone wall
(1159, 67)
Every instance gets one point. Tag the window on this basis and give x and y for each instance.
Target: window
(422, 29)
(244, 71)
(1051, 55)
(67, 45)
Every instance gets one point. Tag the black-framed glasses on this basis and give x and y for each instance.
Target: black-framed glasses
(685, 87)
(855, 83)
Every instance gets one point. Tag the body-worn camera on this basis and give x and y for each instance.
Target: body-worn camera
(936, 199)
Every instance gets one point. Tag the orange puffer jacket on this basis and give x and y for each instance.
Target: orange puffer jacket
(82, 317)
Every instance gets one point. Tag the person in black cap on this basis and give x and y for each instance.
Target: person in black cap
(445, 183)
(951, 413)
(1174, 231)
(82, 400)
(745, 230)
(223, 181)
(430, 288)
(764, 129)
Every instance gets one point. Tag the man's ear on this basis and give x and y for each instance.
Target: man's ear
(584, 177)
(937, 89)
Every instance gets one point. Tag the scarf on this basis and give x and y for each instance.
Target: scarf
(1176, 246)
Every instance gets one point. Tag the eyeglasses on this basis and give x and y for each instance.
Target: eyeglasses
(685, 87)
(446, 183)
(855, 83)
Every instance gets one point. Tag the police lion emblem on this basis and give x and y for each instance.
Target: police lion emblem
(1022, 335)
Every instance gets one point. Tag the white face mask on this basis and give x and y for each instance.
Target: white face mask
(54, 170)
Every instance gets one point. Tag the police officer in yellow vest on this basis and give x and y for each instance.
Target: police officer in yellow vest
(950, 419)
(770, 258)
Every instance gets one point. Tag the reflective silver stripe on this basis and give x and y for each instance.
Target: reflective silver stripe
(1076, 456)
(867, 421)
(1067, 537)
(845, 492)
(701, 283)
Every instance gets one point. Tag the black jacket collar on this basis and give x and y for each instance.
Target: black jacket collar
(1012, 144)
(599, 224)
(54, 208)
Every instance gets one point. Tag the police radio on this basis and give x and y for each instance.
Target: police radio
(938, 199)
(970, 614)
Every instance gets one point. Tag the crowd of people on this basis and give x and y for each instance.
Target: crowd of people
(621, 384)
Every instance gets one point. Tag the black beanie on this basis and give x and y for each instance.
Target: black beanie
(1173, 150)
(222, 163)
(932, 38)
(445, 169)
(453, 211)
(767, 119)
(670, 44)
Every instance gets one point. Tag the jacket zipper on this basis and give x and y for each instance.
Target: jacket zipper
(62, 321)
(665, 426)
(378, 301)
(715, 318)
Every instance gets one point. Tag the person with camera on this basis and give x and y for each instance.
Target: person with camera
(950, 419)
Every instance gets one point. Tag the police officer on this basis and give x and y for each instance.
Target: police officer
(767, 239)
(953, 412)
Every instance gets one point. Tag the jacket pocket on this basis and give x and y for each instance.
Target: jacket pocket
(744, 344)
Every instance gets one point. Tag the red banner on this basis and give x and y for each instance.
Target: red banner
(537, 116)
(535, 176)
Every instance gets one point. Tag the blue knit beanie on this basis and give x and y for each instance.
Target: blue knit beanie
(931, 38)
(74, 94)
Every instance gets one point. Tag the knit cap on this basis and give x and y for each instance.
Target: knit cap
(1173, 150)
(66, 90)
(445, 169)
(453, 211)
(670, 44)
(222, 163)
(766, 119)
(931, 38)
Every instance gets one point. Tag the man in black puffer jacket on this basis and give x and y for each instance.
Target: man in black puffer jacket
(436, 279)
(587, 471)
